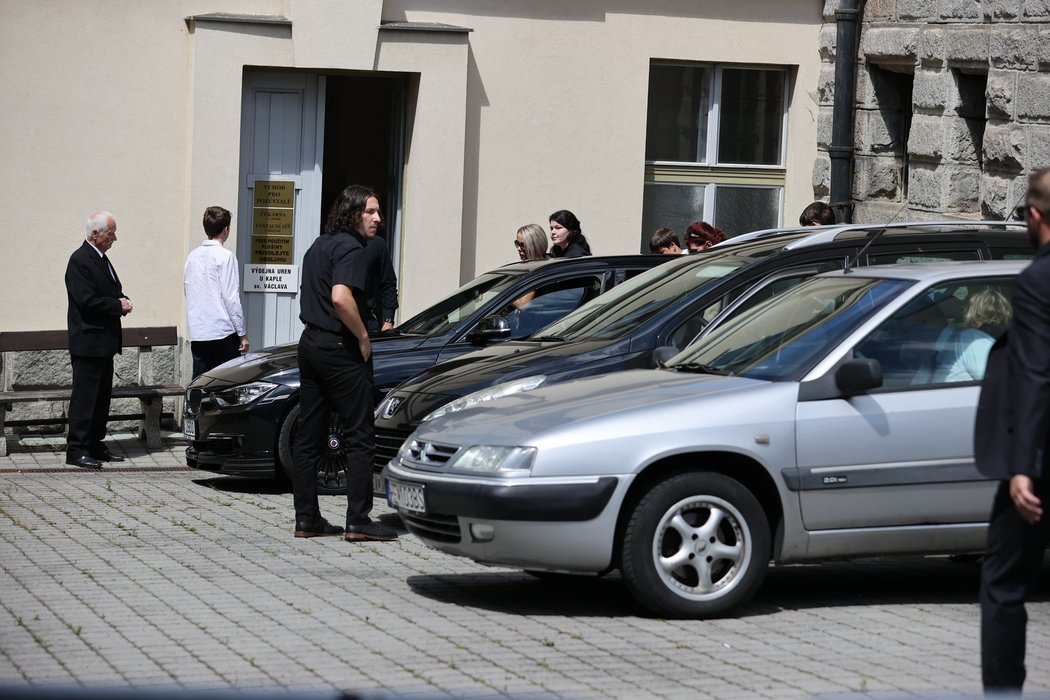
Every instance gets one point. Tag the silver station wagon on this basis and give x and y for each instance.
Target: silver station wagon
(832, 420)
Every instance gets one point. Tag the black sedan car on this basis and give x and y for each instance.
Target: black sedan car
(240, 417)
(670, 306)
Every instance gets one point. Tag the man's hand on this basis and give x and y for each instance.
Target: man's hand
(244, 344)
(387, 325)
(365, 346)
(125, 306)
(1022, 492)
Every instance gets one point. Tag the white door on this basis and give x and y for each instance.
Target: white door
(282, 117)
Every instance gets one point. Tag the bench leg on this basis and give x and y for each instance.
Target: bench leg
(3, 436)
(149, 426)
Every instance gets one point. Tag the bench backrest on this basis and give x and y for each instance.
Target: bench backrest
(18, 341)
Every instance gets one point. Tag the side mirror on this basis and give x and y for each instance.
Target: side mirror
(858, 376)
(489, 329)
(662, 354)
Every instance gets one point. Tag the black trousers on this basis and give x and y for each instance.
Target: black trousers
(209, 354)
(1012, 560)
(89, 404)
(333, 378)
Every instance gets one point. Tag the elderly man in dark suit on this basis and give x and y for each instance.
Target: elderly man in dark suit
(1012, 444)
(96, 305)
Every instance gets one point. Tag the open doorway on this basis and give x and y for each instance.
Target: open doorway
(364, 127)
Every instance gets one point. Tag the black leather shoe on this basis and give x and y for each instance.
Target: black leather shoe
(318, 528)
(376, 532)
(84, 462)
(105, 455)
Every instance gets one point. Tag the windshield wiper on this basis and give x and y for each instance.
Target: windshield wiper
(700, 368)
(548, 338)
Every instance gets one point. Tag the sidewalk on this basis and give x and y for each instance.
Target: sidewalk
(154, 576)
(39, 453)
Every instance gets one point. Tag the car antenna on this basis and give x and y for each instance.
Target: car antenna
(850, 264)
(1009, 216)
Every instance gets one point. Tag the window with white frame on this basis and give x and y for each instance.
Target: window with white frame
(714, 147)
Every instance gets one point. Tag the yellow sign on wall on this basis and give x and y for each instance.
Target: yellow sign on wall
(273, 222)
(274, 193)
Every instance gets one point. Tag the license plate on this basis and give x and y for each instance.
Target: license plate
(189, 428)
(405, 496)
(377, 483)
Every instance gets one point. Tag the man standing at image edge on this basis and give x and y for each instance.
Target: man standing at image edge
(1012, 444)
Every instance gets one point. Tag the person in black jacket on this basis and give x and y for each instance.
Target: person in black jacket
(96, 305)
(335, 368)
(1012, 444)
(381, 292)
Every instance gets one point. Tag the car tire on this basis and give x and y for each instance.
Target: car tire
(697, 545)
(331, 479)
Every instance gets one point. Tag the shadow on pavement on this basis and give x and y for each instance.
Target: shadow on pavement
(237, 484)
(907, 580)
(519, 593)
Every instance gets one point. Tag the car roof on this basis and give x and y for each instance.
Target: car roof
(800, 237)
(647, 260)
(934, 272)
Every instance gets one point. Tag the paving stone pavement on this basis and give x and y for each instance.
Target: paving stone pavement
(149, 574)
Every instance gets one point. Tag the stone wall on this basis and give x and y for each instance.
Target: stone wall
(952, 107)
(46, 369)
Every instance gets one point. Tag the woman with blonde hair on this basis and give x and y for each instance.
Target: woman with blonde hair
(531, 242)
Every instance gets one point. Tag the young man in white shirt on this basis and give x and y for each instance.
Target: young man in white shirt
(213, 301)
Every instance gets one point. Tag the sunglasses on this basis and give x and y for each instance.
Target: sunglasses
(519, 245)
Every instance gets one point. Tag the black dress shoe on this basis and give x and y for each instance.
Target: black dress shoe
(372, 531)
(84, 462)
(317, 528)
(104, 455)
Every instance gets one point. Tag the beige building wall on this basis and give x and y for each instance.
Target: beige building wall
(122, 104)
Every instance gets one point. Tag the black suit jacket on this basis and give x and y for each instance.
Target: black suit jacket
(94, 311)
(1012, 433)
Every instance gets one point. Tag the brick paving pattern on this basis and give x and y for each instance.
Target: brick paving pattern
(151, 574)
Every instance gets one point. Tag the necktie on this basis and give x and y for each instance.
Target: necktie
(112, 273)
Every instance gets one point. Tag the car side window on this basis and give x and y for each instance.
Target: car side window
(941, 337)
(766, 289)
(549, 303)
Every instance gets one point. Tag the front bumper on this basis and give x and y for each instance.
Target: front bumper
(554, 524)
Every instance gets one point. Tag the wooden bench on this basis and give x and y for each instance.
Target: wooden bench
(149, 394)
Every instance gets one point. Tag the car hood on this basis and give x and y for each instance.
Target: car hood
(634, 401)
(280, 363)
(502, 362)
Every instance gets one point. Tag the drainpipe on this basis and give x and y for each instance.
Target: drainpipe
(847, 20)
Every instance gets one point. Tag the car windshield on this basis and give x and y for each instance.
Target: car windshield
(625, 307)
(782, 337)
(459, 305)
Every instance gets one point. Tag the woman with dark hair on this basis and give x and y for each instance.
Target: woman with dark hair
(566, 237)
(701, 235)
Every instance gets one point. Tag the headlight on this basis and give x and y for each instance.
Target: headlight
(243, 393)
(495, 458)
(493, 392)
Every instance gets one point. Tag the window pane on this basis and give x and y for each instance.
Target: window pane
(670, 205)
(676, 127)
(744, 209)
(751, 116)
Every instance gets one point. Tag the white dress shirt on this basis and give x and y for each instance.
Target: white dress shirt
(212, 287)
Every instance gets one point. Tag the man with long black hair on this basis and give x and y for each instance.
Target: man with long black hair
(335, 367)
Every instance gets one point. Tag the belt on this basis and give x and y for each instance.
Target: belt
(312, 327)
